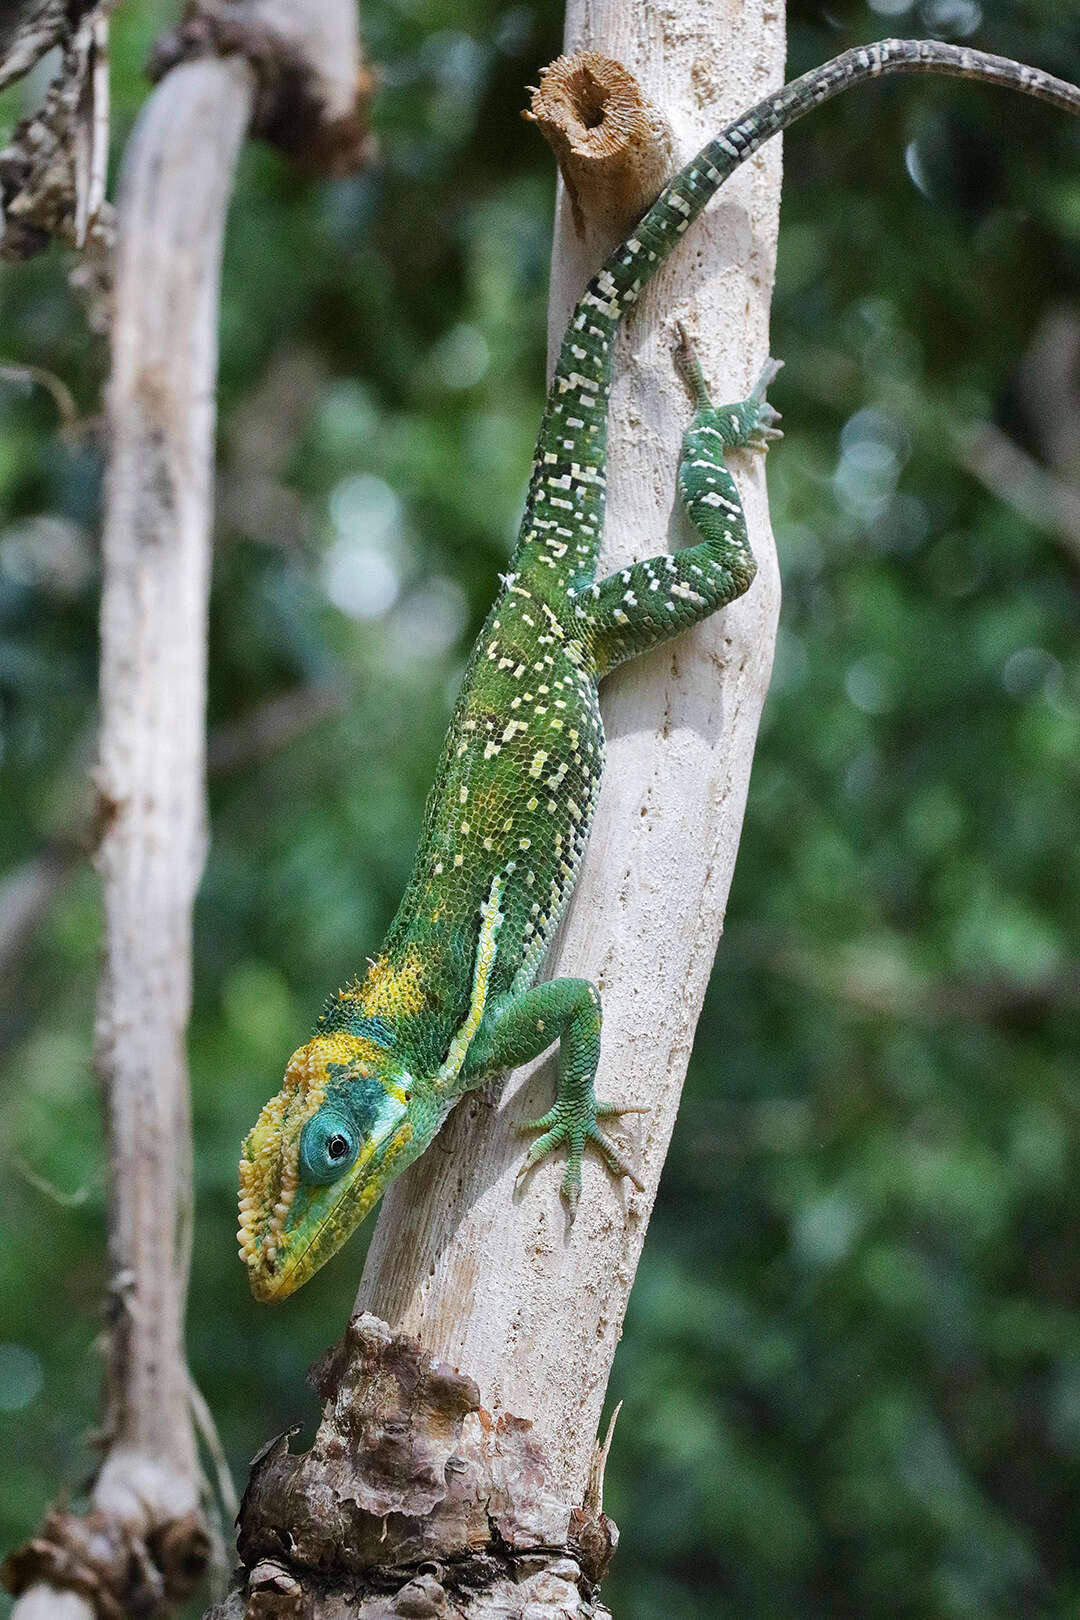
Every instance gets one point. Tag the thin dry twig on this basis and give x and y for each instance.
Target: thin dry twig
(69, 424)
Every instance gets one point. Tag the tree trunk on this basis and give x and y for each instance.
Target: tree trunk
(487, 1279)
(433, 1491)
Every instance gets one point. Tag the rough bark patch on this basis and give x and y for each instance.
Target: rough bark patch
(413, 1500)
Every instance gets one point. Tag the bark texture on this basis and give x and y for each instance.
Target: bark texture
(413, 1500)
(489, 1279)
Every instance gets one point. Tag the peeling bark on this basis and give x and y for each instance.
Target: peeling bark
(413, 1500)
(52, 174)
(31, 29)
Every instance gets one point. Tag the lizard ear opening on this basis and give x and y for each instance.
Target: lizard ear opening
(329, 1145)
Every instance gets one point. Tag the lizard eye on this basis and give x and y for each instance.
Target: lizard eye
(328, 1147)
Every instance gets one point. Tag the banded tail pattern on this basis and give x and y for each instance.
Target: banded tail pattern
(564, 513)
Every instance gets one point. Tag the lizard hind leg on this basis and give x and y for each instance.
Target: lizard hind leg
(647, 603)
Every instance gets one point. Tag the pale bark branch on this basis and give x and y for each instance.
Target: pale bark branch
(156, 552)
(143, 1546)
(488, 1278)
(144, 1541)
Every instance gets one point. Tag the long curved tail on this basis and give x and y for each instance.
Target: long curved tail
(567, 475)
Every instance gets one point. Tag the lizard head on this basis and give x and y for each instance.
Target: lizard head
(321, 1155)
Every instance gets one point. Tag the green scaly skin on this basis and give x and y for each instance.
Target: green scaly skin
(451, 1001)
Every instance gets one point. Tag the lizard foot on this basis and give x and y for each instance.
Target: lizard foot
(576, 1125)
(765, 428)
(752, 419)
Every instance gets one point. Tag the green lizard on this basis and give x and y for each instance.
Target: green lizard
(451, 999)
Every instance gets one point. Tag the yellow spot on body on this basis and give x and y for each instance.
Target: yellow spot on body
(395, 988)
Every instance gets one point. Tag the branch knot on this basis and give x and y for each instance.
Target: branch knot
(410, 1485)
(110, 1564)
(311, 99)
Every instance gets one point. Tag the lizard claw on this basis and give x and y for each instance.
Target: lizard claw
(577, 1127)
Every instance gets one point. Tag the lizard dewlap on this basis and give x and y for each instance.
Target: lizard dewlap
(450, 1001)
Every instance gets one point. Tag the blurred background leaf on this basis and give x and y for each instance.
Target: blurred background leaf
(851, 1367)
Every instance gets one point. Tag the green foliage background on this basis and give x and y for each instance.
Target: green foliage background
(851, 1366)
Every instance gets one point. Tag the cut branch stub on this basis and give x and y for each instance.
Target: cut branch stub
(409, 1475)
(312, 90)
(615, 149)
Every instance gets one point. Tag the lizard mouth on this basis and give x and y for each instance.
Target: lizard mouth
(340, 1103)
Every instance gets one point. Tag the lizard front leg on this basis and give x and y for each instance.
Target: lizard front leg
(521, 1026)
